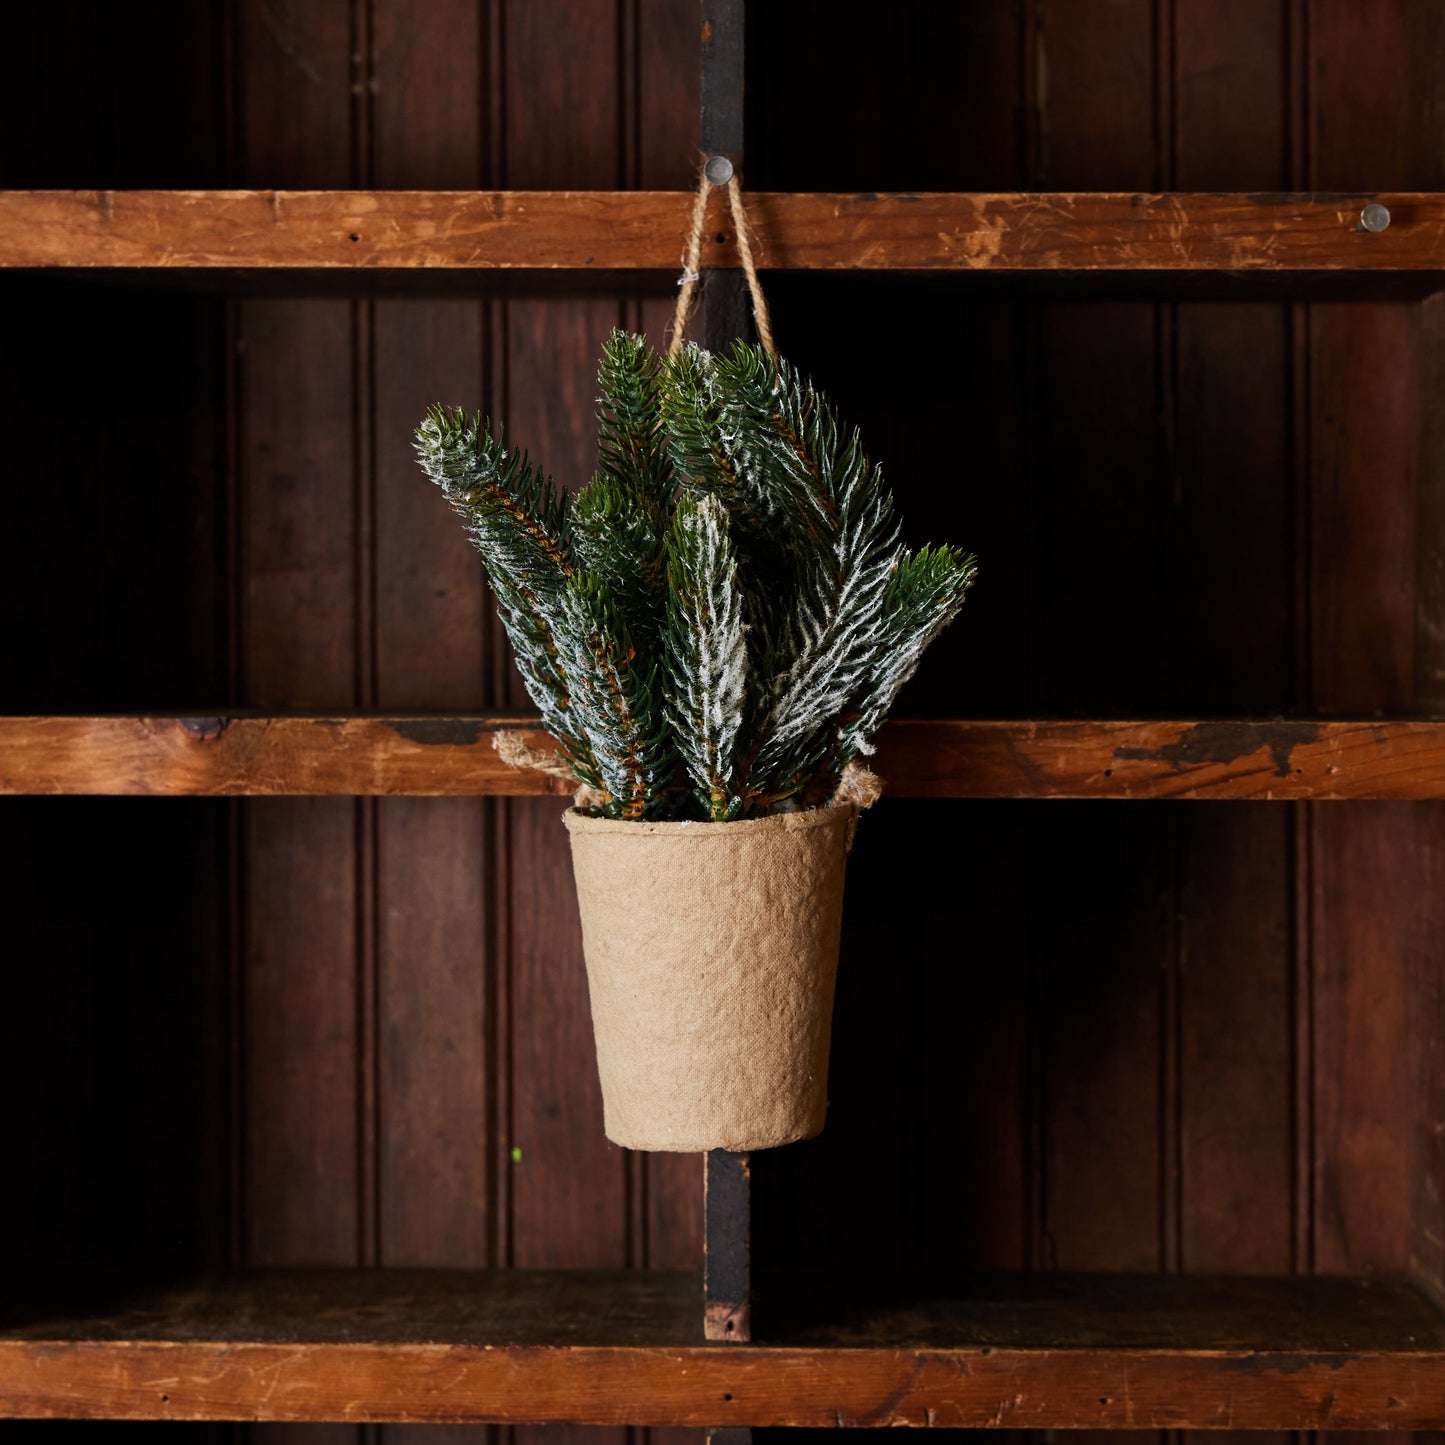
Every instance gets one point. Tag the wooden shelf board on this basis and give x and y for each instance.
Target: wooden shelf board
(1044, 1352)
(944, 758)
(641, 230)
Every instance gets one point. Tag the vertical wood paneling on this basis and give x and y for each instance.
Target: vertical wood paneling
(304, 591)
(300, 1034)
(1427, 977)
(1232, 516)
(1427, 1048)
(1373, 485)
(294, 106)
(563, 116)
(1095, 77)
(1365, 454)
(1363, 1102)
(1236, 1150)
(435, 1141)
(299, 529)
(1103, 1030)
(666, 84)
(1101, 940)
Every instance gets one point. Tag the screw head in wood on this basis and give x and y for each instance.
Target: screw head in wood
(719, 170)
(1374, 217)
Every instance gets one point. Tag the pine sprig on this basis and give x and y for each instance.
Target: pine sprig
(839, 518)
(707, 654)
(518, 516)
(692, 426)
(616, 700)
(632, 449)
(519, 521)
(923, 596)
(925, 593)
(619, 537)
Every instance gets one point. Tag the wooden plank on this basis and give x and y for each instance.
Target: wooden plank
(604, 230)
(260, 756)
(624, 1347)
(762, 1386)
(1108, 759)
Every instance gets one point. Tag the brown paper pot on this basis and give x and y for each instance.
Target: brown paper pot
(712, 950)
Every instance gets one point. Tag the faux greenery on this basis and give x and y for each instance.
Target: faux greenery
(716, 625)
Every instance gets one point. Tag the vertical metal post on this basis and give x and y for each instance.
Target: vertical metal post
(727, 1267)
(724, 293)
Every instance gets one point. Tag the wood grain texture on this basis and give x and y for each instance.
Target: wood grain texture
(1373, 631)
(918, 758)
(605, 230)
(435, 930)
(1073, 1351)
(302, 633)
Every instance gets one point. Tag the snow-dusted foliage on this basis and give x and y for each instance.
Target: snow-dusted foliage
(707, 655)
(720, 620)
(614, 698)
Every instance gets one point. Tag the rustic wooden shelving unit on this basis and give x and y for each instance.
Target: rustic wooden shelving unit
(1323, 1325)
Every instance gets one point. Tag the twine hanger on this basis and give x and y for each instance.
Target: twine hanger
(717, 171)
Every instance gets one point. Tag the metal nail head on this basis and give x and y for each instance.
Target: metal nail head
(719, 170)
(1374, 217)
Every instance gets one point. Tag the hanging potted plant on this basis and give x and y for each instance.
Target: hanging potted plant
(713, 630)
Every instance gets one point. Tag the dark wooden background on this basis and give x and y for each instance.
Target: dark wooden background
(1084, 1035)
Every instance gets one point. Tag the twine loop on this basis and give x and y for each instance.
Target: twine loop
(692, 259)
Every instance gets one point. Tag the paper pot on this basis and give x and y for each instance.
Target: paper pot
(712, 951)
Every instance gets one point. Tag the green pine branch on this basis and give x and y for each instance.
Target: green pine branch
(632, 448)
(616, 699)
(707, 655)
(619, 537)
(838, 516)
(923, 596)
(519, 520)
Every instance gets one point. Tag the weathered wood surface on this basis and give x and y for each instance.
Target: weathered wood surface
(942, 758)
(620, 1347)
(1170, 759)
(603, 230)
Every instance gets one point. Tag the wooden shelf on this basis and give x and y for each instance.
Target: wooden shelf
(1040, 1352)
(945, 758)
(1202, 232)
